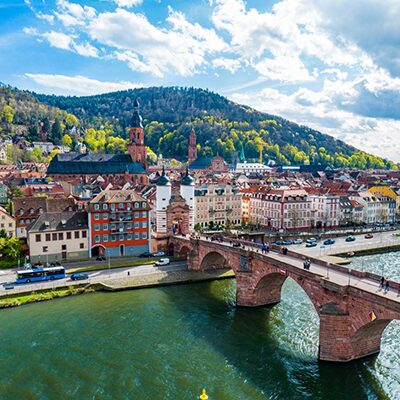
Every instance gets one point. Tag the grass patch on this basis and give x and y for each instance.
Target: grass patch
(34, 297)
(6, 264)
(135, 263)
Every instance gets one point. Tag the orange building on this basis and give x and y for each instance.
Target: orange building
(119, 224)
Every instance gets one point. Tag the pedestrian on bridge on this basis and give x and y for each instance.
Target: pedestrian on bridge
(382, 282)
(387, 286)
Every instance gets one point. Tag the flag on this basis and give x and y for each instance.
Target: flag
(282, 272)
(372, 316)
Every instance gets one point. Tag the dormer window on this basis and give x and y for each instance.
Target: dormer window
(31, 211)
(21, 211)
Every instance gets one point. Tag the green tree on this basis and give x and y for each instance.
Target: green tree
(7, 114)
(12, 249)
(71, 120)
(67, 140)
(56, 131)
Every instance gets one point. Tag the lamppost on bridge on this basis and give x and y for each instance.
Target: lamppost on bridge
(327, 270)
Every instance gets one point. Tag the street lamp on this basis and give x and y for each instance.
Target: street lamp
(109, 263)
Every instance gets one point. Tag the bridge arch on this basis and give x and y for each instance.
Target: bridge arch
(183, 251)
(214, 260)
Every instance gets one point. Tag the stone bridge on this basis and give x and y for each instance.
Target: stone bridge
(353, 310)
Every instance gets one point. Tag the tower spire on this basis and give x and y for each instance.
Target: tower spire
(192, 149)
(137, 121)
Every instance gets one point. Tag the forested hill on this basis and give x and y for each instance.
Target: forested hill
(222, 126)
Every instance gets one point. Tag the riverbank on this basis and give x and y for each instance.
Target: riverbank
(162, 278)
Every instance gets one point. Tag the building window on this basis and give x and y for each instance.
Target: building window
(129, 225)
(69, 235)
(144, 205)
(144, 224)
(112, 207)
(105, 238)
(113, 227)
(38, 238)
(121, 237)
(137, 214)
(84, 234)
(63, 247)
(144, 235)
(105, 216)
(105, 206)
(144, 214)
(105, 227)
(97, 227)
(82, 245)
(121, 206)
(96, 217)
(113, 216)
(77, 234)
(54, 236)
(113, 238)
(45, 249)
(97, 206)
(48, 237)
(136, 224)
(129, 236)
(61, 236)
(97, 238)
(137, 235)
(137, 205)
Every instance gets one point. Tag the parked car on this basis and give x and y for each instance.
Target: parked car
(287, 242)
(328, 242)
(297, 241)
(236, 244)
(279, 242)
(146, 254)
(158, 254)
(311, 240)
(162, 261)
(100, 258)
(369, 236)
(312, 244)
(350, 239)
(8, 285)
(79, 276)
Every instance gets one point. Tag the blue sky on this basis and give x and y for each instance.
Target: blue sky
(331, 65)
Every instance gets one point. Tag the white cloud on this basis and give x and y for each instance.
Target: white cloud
(77, 85)
(128, 3)
(181, 49)
(59, 40)
(73, 14)
(230, 64)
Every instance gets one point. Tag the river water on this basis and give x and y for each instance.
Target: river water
(168, 343)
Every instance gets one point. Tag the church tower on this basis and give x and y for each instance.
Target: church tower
(136, 146)
(192, 153)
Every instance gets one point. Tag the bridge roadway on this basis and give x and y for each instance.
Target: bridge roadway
(324, 270)
(353, 309)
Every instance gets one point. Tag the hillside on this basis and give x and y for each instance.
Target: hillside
(221, 126)
(23, 117)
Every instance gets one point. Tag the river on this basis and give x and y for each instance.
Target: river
(169, 342)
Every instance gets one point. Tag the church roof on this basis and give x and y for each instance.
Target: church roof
(76, 163)
(200, 163)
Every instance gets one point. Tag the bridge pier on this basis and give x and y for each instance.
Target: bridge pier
(340, 342)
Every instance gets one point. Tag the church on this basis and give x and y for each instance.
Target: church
(118, 169)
